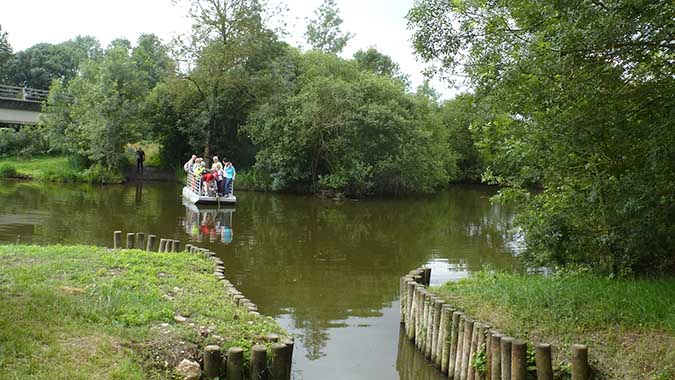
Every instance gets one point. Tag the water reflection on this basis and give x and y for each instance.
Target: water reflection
(208, 223)
(327, 271)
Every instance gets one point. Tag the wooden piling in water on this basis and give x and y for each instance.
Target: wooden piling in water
(429, 321)
(117, 239)
(235, 363)
(458, 350)
(402, 303)
(272, 338)
(419, 311)
(466, 347)
(280, 362)
(290, 344)
(151, 243)
(258, 362)
(506, 357)
(480, 346)
(140, 240)
(427, 276)
(542, 356)
(470, 371)
(444, 327)
(518, 360)
(212, 362)
(162, 245)
(435, 358)
(580, 368)
(454, 335)
(410, 289)
(131, 239)
(488, 353)
(496, 359)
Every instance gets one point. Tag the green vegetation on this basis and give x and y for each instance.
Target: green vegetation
(91, 313)
(580, 101)
(629, 325)
(55, 169)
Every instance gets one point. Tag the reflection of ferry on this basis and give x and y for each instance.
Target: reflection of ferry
(193, 192)
(208, 223)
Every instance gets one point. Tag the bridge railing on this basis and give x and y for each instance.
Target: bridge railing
(23, 93)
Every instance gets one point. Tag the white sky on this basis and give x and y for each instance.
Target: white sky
(377, 23)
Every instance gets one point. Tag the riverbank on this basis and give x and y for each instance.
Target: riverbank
(628, 325)
(83, 312)
(54, 169)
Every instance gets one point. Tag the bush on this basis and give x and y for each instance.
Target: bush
(7, 171)
(27, 141)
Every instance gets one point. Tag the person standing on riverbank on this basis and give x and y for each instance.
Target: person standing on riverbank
(140, 157)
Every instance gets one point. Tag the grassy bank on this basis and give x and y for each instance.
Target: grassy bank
(90, 313)
(54, 169)
(629, 325)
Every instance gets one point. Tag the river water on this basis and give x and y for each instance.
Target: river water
(327, 270)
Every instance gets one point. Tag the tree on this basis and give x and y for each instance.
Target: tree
(323, 32)
(583, 96)
(227, 55)
(380, 64)
(40, 64)
(342, 129)
(5, 50)
(97, 113)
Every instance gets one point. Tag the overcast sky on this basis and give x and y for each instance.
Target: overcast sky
(377, 23)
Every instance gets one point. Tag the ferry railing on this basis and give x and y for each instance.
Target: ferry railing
(23, 93)
(194, 183)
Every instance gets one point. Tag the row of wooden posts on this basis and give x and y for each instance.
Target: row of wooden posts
(453, 341)
(229, 364)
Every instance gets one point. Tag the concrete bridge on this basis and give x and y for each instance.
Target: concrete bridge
(20, 105)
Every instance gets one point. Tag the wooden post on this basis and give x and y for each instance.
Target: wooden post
(140, 240)
(272, 338)
(235, 363)
(410, 332)
(290, 344)
(131, 239)
(580, 367)
(162, 245)
(429, 321)
(518, 360)
(466, 348)
(413, 313)
(495, 353)
(427, 276)
(454, 334)
(258, 362)
(480, 346)
(458, 350)
(401, 297)
(488, 354)
(280, 362)
(443, 349)
(470, 371)
(435, 357)
(212, 362)
(151, 242)
(542, 356)
(419, 315)
(117, 239)
(506, 357)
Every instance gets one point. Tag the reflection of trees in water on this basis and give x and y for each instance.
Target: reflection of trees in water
(330, 260)
(88, 214)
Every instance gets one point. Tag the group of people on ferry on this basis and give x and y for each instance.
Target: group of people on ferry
(216, 180)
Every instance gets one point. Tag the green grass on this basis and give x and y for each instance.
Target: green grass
(53, 169)
(81, 312)
(629, 325)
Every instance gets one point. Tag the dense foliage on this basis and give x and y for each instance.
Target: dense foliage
(582, 95)
(97, 113)
(323, 31)
(347, 130)
(40, 64)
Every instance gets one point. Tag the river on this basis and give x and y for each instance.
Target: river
(327, 270)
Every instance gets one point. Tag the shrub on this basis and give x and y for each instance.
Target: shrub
(7, 171)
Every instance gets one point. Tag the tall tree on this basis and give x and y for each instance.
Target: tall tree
(323, 31)
(230, 45)
(40, 64)
(584, 92)
(379, 63)
(5, 50)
